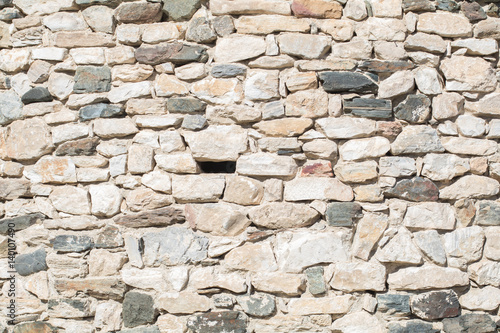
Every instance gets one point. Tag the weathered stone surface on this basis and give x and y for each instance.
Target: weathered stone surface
(213, 322)
(317, 188)
(492, 247)
(64, 21)
(387, 29)
(217, 219)
(11, 189)
(465, 243)
(355, 10)
(106, 199)
(468, 74)
(358, 276)
(436, 305)
(222, 7)
(440, 167)
(177, 162)
(218, 91)
(184, 302)
(99, 18)
(178, 10)
(99, 110)
(37, 94)
(444, 24)
(56, 170)
(142, 12)
(470, 186)
(471, 126)
(243, 190)
(279, 283)
(11, 107)
(320, 149)
(430, 215)
(35, 326)
(343, 214)
(400, 249)
(347, 82)
(228, 70)
(30, 263)
(284, 127)
(159, 32)
(369, 108)
(417, 139)
(293, 44)
(368, 232)
(414, 325)
(394, 304)
(477, 46)
(487, 213)
(71, 200)
(70, 243)
(468, 146)
(112, 128)
(359, 149)
(415, 189)
(267, 24)
(252, 257)
(82, 39)
(138, 309)
(257, 305)
(83, 147)
(315, 281)
(484, 299)
(175, 52)
(239, 47)
(469, 322)
(487, 28)
(414, 109)
(427, 277)
(429, 242)
(261, 84)
(356, 172)
(378, 66)
(396, 166)
(425, 42)
(324, 305)
(283, 215)
(397, 84)
(172, 246)
(19, 144)
(346, 127)
(317, 9)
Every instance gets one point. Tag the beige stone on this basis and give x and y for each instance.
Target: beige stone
(304, 46)
(346, 127)
(55, 170)
(197, 188)
(171, 324)
(468, 74)
(268, 24)
(71, 200)
(368, 232)
(239, 47)
(257, 257)
(307, 103)
(425, 42)
(444, 24)
(279, 283)
(261, 85)
(243, 190)
(108, 316)
(208, 278)
(218, 91)
(358, 276)
(340, 30)
(147, 199)
(177, 162)
(119, 55)
(356, 172)
(14, 60)
(355, 10)
(106, 199)
(317, 188)
(320, 149)
(447, 105)
(114, 128)
(325, 305)
(388, 29)
(492, 245)
(184, 302)
(284, 127)
(19, 144)
(283, 215)
(217, 219)
(131, 73)
(469, 146)
(105, 263)
(358, 48)
(359, 322)
(430, 215)
(129, 90)
(400, 250)
(427, 277)
(222, 7)
(487, 28)
(160, 32)
(168, 85)
(484, 299)
(397, 84)
(359, 149)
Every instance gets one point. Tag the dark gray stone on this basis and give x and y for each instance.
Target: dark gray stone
(369, 108)
(414, 109)
(199, 31)
(194, 122)
(150, 329)
(488, 213)
(257, 305)
(448, 5)
(223, 25)
(175, 52)
(85, 147)
(8, 14)
(5, 3)
(111, 3)
(109, 237)
(473, 11)
(470, 323)
(224, 301)
(37, 94)
(436, 305)
(185, 105)
(30, 263)
(415, 189)
(11, 107)
(100, 110)
(347, 82)
(71, 243)
(90, 79)
(228, 70)
(315, 281)
(411, 326)
(343, 214)
(381, 66)
(394, 304)
(138, 12)
(180, 10)
(138, 309)
(217, 322)
(20, 222)
(418, 6)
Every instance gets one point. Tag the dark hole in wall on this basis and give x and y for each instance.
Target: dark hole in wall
(218, 167)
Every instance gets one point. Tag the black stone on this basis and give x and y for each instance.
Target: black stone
(414, 109)
(415, 189)
(258, 305)
(138, 309)
(436, 305)
(70, 243)
(448, 5)
(109, 237)
(315, 281)
(394, 304)
(411, 326)
(343, 214)
(347, 82)
(37, 94)
(100, 110)
(20, 222)
(473, 11)
(185, 105)
(175, 52)
(216, 322)
(228, 70)
(369, 108)
(488, 213)
(380, 66)
(90, 79)
(470, 323)
(85, 147)
(418, 6)
(30, 263)
(149, 329)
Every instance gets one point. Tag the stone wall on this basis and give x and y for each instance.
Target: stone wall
(249, 166)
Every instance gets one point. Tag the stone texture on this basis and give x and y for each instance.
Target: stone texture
(317, 188)
(346, 127)
(202, 188)
(142, 12)
(252, 257)
(394, 304)
(293, 44)
(436, 305)
(444, 24)
(347, 82)
(257, 305)
(469, 322)
(317, 9)
(358, 276)
(70, 243)
(400, 250)
(138, 309)
(369, 108)
(175, 52)
(283, 215)
(429, 242)
(230, 321)
(356, 172)
(324, 305)
(105, 199)
(217, 219)
(239, 47)
(471, 186)
(360, 149)
(430, 215)
(183, 303)
(417, 139)
(222, 7)
(415, 189)
(465, 243)
(397, 84)
(468, 74)
(427, 277)
(369, 230)
(30, 263)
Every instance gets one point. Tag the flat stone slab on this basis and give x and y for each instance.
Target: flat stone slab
(369, 108)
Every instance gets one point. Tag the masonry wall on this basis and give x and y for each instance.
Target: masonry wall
(249, 166)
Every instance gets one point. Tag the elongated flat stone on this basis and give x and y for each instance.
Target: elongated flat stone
(176, 52)
(380, 66)
(153, 218)
(215, 322)
(71, 243)
(369, 108)
(343, 214)
(20, 222)
(415, 189)
(347, 82)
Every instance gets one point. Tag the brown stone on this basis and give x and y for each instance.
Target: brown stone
(70, 39)
(140, 12)
(84, 147)
(473, 11)
(317, 9)
(177, 53)
(389, 129)
(284, 127)
(379, 66)
(98, 287)
(36, 326)
(153, 218)
(317, 169)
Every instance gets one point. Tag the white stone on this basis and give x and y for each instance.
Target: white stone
(111, 128)
(471, 74)
(99, 18)
(471, 126)
(320, 305)
(428, 81)
(49, 53)
(384, 8)
(239, 47)
(68, 132)
(359, 149)
(476, 46)
(108, 316)
(426, 42)
(266, 164)
(400, 249)
(158, 180)
(358, 48)
(131, 73)
(397, 84)
(261, 85)
(106, 200)
(258, 257)
(469, 146)
(317, 188)
(447, 105)
(359, 322)
(470, 186)
(444, 24)
(145, 278)
(60, 85)
(14, 60)
(218, 91)
(303, 45)
(177, 162)
(129, 34)
(430, 215)
(129, 90)
(441, 167)
(65, 21)
(197, 188)
(159, 32)
(484, 299)
(91, 175)
(430, 244)
(485, 273)
(465, 243)
(120, 55)
(43, 6)
(368, 232)
(355, 10)
(140, 159)
(189, 72)
(427, 277)
(340, 30)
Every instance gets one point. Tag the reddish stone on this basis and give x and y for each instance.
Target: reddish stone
(389, 129)
(320, 169)
(473, 11)
(317, 9)
(141, 12)
(416, 189)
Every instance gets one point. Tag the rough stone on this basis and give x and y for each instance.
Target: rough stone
(400, 250)
(468, 74)
(347, 82)
(323, 305)
(436, 305)
(257, 257)
(99, 18)
(369, 230)
(293, 44)
(355, 10)
(99, 110)
(317, 188)
(487, 28)
(11, 189)
(30, 263)
(217, 219)
(60, 85)
(213, 322)
(279, 283)
(184, 302)
(394, 304)
(106, 199)
(142, 12)
(179, 10)
(71, 200)
(356, 172)
(235, 48)
(430, 215)
(388, 29)
(138, 309)
(66, 39)
(369, 108)
(469, 322)
(465, 243)
(261, 84)
(470, 186)
(112, 128)
(359, 149)
(414, 109)
(397, 84)
(346, 127)
(415, 189)
(283, 215)
(70, 243)
(429, 242)
(392, 166)
(83, 147)
(358, 276)
(427, 277)
(175, 52)
(444, 24)
(257, 305)
(417, 139)
(243, 190)
(37, 94)
(425, 42)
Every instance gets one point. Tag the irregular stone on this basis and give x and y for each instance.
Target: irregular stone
(355, 10)
(465, 243)
(83, 147)
(447, 105)
(307, 103)
(213, 322)
(228, 70)
(177, 162)
(369, 108)
(218, 91)
(99, 18)
(69, 308)
(347, 82)
(469, 322)
(14, 60)
(138, 309)
(430, 215)
(470, 186)
(181, 10)
(427, 277)
(159, 32)
(369, 230)
(35, 326)
(218, 219)
(283, 215)
(26, 264)
(11, 107)
(415, 189)
(487, 28)
(397, 84)
(394, 304)
(356, 172)
(266, 164)
(243, 190)
(279, 283)
(414, 109)
(466, 146)
(71, 200)
(358, 276)
(444, 24)
(396, 166)
(346, 127)
(378, 66)
(183, 303)
(12, 189)
(315, 281)
(477, 46)
(106, 200)
(487, 213)
(430, 244)
(64, 21)
(257, 305)
(473, 11)
(267, 24)
(359, 149)
(317, 9)
(417, 139)
(302, 81)
(82, 39)
(261, 84)
(317, 188)
(293, 44)
(222, 7)
(175, 52)
(386, 9)
(343, 214)
(185, 105)
(236, 48)
(425, 42)
(468, 74)
(400, 249)
(448, 5)
(485, 299)
(202, 188)
(20, 222)
(388, 29)
(70, 243)
(131, 73)
(440, 167)
(112, 128)
(49, 53)
(37, 94)
(153, 218)
(56, 170)
(436, 305)
(485, 273)
(252, 257)
(60, 85)
(284, 127)
(143, 12)
(323, 305)
(394, 52)
(99, 110)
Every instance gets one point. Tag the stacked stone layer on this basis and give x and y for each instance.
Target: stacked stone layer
(250, 165)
